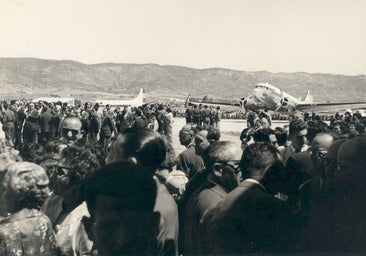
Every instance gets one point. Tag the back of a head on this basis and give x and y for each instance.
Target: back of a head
(314, 128)
(351, 157)
(25, 185)
(332, 158)
(296, 125)
(144, 145)
(131, 184)
(281, 136)
(257, 157)
(213, 134)
(262, 135)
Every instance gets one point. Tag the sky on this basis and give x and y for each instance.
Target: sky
(314, 36)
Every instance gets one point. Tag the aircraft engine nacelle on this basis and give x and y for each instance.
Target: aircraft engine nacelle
(248, 104)
(286, 103)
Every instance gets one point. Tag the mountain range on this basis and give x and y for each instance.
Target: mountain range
(32, 78)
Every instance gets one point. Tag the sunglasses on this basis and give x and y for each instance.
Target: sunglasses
(319, 152)
(67, 130)
(235, 165)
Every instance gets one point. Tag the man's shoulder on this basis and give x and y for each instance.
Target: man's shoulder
(189, 150)
(8, 112)
(210, 195)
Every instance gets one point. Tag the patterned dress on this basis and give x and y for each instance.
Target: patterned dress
(27, 232)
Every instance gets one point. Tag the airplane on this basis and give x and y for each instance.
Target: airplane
(224, 105)
(135, 102)
(268, 97)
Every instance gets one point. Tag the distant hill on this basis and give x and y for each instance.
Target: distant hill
(31, 78)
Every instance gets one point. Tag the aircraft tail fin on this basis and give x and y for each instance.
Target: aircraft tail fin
(140, 98)
(186, 103)
(308, 98)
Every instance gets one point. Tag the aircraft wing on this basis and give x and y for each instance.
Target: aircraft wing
(225, 105)
(330, 107)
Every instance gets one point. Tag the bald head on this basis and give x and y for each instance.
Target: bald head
(222, 159)
(222, 151)
(322, 141)
(71, 128)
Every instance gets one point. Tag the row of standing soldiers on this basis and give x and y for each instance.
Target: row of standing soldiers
(203, 116)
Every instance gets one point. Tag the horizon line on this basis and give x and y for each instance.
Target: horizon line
(181, 66)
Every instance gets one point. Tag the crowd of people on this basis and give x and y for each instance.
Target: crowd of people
(25, 122)
(297, 189)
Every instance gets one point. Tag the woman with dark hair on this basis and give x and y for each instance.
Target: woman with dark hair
(66, 206)
(26, 230)
(145, 147)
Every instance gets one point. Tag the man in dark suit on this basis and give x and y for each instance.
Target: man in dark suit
(306, 165)
(95, 125)
(31, 125)
(339, 223)
(107, 130)
(188, 161)
(123, 221)
(222, 162)
(46, 125)
(250, 219)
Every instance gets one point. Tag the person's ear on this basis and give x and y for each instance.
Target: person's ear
(217, 168)
(88, 226)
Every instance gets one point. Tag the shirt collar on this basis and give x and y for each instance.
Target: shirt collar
(255, 182)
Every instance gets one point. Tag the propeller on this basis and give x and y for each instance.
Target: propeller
(283, 102)
(280, 104)
(243, 102)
